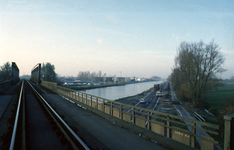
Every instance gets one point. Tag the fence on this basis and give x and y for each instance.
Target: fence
(166, 125)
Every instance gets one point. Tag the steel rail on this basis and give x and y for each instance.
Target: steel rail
(16, 119)
(61, 120)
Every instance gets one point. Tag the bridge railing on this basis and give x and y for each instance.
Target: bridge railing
(166, 125)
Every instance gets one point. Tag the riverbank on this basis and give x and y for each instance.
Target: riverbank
(86, 87)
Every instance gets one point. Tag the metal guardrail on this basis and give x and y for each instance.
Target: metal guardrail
(151, 120)
(198, 117)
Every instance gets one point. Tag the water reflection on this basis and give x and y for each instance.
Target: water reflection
(116, 92)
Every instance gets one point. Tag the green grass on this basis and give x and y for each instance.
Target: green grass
(216, 98)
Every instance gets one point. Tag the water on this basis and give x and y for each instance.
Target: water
(116, 92)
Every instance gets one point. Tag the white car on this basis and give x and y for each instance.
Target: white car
(142, 100)
(159, 93)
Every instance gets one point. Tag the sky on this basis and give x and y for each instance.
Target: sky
(123, 37)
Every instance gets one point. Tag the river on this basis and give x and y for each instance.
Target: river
(116, 92)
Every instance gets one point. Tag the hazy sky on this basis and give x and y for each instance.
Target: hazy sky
(138, 38)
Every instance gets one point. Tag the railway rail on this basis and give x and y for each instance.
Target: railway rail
(38, 126)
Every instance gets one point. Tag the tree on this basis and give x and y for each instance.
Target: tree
(48, 72)
(100, 73)
(196, 70)
(232, 78)
(5, 71)
(87, 76)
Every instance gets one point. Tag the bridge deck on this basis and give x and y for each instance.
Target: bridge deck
(104, 130)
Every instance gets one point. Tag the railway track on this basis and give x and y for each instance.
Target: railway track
(38, 126)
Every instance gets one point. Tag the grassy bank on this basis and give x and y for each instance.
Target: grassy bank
(216, 98)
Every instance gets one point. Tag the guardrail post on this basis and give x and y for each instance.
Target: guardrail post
(168, 124)
(228, 132)
(121, 112)
(111, 108)
(133, 115)
(193, 137)
(91, 101)
(103, 105)
(86, 99)
(76, 96)
(82, 98)
(96, 103)
(148, 120)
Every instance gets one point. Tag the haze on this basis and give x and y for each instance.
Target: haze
(136, 38)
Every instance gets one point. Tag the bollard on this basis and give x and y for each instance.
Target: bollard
(229, 132)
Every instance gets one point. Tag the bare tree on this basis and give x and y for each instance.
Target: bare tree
(196, 70)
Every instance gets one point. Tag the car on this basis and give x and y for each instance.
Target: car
(142, 100)
(159, 93)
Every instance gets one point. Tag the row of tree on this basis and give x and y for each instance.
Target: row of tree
(5, 72)
(196, 70)
(88, 76)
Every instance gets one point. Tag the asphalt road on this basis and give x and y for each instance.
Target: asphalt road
(185, 114)
(150, 101)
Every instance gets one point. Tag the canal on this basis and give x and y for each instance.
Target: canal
(116, 92)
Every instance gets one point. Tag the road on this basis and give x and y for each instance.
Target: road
(185, 114)
(150, 101)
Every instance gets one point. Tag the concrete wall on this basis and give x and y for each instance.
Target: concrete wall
(207, 143)
(14, 73)
(116, 113)
(181, 136)
(140, 121)
(157, 127)
(126, 117)
(4, 85)
(50, 85)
